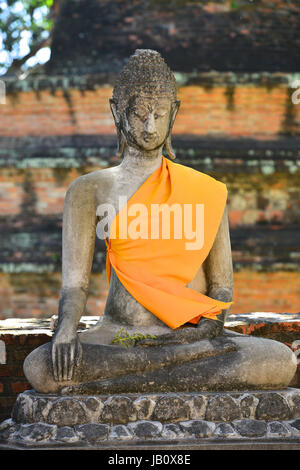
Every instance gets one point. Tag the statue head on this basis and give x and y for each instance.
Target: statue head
(144, 103)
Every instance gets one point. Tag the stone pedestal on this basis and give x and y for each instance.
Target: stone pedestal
(111, 421)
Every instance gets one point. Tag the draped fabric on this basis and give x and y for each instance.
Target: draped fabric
(155, 262)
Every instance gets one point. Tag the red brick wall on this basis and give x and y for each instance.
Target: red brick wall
(12, 380)
(258, 112)
(252, 198)
(28, 295)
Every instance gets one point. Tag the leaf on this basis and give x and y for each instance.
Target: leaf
(15, 21)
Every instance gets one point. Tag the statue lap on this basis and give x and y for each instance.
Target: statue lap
(227, 362)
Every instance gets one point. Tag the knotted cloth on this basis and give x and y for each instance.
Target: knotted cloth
(155, 271)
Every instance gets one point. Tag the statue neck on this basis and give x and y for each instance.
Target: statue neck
(141, 163)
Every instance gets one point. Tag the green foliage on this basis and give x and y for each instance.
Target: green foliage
(126, 340)
(24, 29)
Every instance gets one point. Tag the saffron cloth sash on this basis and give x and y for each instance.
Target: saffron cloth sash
(155, 271)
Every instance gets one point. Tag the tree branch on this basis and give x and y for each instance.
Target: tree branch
(17, 63)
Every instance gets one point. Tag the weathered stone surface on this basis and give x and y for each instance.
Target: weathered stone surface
(172, 431)
(272, 406)
(67, 412)
(41, 408)
(146, 429)
(7, 428)
(120, 432)
(93, 404)
(22, 410)
(163, 408)
(171, 408)
(198, 428)
(248, 404)
(144, 407)
(92, 432)
(224, 430)
(294, 402)
(197, 406)
(6, 424)
(277, 429)
(222, 408)
(295, 424)
(36, 431)
(66, 434)
(118, 410)
(250, 427)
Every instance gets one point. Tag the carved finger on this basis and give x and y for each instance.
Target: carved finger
(78, 353)
(161, 340)
(65, 361)
(71, 363)
(59, 363)
(185, 335)
(54, 362)
(209, 328)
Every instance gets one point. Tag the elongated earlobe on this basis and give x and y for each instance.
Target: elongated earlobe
(120, 137)
(169, 148)
(120, 144)
(168, 142)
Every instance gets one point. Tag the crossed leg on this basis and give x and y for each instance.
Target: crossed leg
(229, 362)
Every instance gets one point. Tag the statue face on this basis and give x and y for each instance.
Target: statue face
(147, 121)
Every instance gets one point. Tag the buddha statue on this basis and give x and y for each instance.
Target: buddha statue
(172, 300)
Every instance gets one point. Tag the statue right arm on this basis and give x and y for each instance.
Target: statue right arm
(219, 276)
(79, 229)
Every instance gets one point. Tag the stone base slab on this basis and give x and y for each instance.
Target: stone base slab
(40, 420)
(152, 434)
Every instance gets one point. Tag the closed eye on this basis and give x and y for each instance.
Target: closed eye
(160, 113)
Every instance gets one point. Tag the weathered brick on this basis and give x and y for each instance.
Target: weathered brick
(11, 371)
(19, 387)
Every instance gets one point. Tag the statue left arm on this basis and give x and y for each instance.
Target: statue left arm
(219, 275)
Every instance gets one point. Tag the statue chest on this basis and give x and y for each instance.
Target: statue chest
(118, 190)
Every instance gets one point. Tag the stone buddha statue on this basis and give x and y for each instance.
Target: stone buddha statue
(178, 320)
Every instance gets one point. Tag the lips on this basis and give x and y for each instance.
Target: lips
(150, 138)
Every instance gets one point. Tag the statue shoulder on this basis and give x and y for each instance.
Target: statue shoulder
(86, 186)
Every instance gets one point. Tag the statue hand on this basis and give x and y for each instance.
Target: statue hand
(209, 328)
(66, 353)
(206, 328)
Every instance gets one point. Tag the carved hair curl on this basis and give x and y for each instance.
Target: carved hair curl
(146, 72)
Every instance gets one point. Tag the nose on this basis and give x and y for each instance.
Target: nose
(150, 124)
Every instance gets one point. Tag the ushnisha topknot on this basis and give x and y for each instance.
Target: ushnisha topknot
(145, 72)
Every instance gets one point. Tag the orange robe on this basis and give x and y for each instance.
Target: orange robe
(156, 271)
